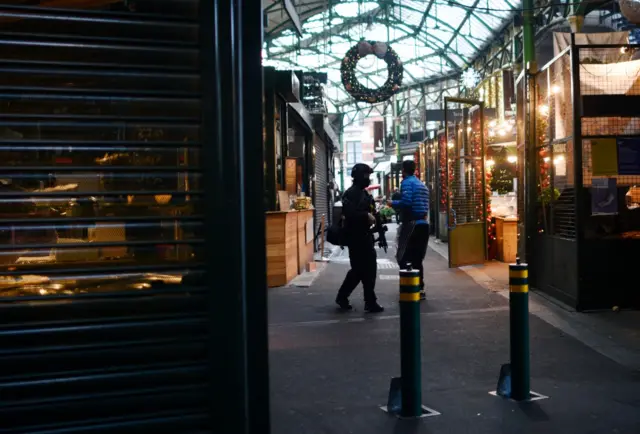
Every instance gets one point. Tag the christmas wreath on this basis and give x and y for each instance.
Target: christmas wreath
(382, 51)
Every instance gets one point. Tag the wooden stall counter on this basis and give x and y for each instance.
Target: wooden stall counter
(507, 238)
(282, 247)
(305, 239)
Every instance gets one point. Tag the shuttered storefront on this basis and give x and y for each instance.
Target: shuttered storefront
(103, 322)
(321, 181)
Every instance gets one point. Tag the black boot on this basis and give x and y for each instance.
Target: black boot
(343, 304)
(423, 295)
(373, 308)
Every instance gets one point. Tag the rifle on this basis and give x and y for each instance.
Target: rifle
(380, 229)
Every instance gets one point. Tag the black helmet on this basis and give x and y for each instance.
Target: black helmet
(360, 171)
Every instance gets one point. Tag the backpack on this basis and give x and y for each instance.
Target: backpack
(336, 233)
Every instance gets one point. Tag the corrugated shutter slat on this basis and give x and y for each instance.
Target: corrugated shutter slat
(321, 193)
(103, 310)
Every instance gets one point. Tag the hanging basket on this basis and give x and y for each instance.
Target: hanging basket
(382, 51)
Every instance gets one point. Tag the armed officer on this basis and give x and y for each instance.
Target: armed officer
(358, 208)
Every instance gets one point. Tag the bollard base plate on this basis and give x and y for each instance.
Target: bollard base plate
(533, 396)
(426, 412)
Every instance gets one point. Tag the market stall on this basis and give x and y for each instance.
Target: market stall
(587, 170)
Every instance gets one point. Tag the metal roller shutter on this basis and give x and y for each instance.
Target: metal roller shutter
(321, 169)
(103, 323)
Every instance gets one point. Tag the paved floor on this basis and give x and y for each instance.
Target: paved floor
(331, 371)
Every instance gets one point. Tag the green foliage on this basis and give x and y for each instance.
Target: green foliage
(387, 212)
(545, 195)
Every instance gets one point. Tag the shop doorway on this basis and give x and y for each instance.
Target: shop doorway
(466, 199)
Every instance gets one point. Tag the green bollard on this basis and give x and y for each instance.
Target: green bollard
(519, 324)
(410, 357)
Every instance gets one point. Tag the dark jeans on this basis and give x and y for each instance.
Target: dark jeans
(416, 251)
(362, 255)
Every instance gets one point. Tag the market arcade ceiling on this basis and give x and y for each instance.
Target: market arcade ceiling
(434, 38)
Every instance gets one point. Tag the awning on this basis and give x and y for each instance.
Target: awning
(302, 114)
(384, 167)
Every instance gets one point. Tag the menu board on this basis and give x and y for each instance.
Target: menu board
(604, 196)
(629, 156)
(604, 157)
(290, 176)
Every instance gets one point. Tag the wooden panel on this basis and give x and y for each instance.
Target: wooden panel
(291, 246)
(466, 245)
(510, 242)
(282, 261)
(290, 175)
(500, 238)
(305, 250)
(507, 239)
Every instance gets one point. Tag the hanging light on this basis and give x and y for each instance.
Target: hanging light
(512, 159)
(544, 109)
(489, 163)
(450, 145)
(555, 89)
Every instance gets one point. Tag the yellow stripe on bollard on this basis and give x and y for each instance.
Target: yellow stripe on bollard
(409, 296)
(409, 281)
(519, 273)
(519, 288)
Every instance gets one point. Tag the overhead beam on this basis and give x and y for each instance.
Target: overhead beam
(424, 18)
(290, 9)
(462, 23)
(335, 30)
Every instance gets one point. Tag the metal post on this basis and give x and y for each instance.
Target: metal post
(410, 363)
(528, 34)
(396, 123)
(530, 68)
(237, 394)
(341, 159)
(519, 326)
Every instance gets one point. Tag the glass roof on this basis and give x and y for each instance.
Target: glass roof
(432, 37)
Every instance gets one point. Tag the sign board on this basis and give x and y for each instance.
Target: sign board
(290, 173)
(604, 157)
(628, 156)
(604, 196)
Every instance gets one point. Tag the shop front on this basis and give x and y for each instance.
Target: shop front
(118, 204)
(299, 148)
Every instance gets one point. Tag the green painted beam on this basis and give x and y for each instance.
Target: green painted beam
(462, 23)
(335, 30)
(424, 17)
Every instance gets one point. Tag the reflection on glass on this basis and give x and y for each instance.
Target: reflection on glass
(100, 180)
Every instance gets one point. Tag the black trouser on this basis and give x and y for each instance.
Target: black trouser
(416, 251)
(362, 255)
